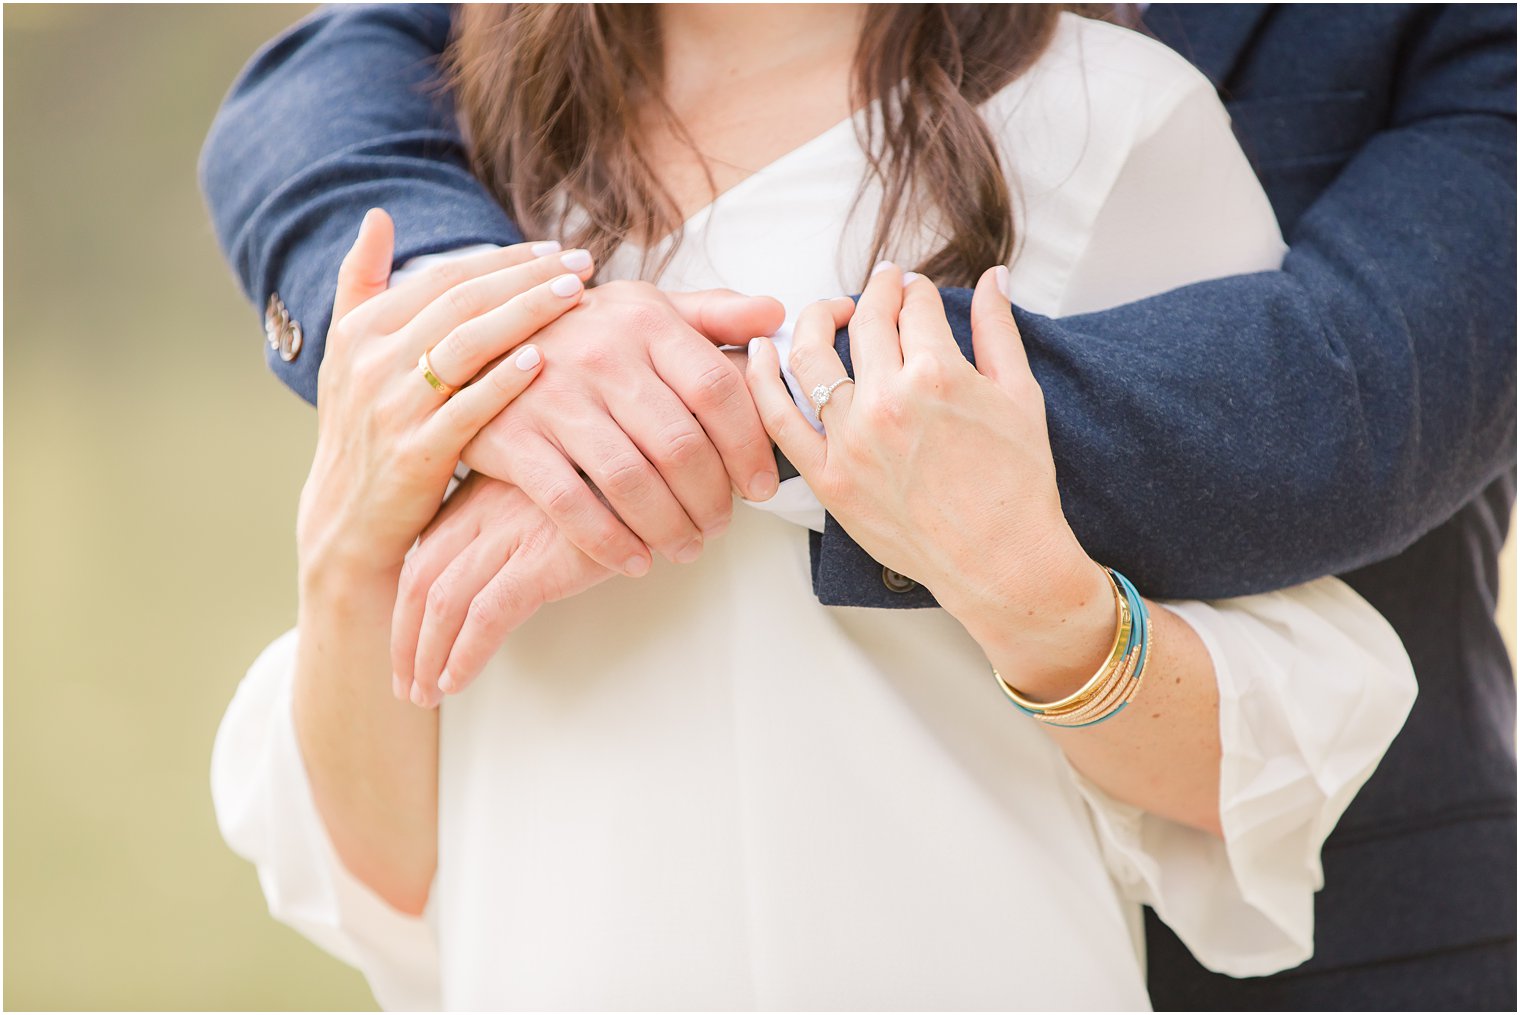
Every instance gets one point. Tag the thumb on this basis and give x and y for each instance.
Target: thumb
(727, 317)
(995, 339)
(366, 268)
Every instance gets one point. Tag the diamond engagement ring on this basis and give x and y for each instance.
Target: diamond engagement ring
(824, 392)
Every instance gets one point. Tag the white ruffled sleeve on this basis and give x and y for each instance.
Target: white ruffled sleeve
(1313, 687)
(265, 810)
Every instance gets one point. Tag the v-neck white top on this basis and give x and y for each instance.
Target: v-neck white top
(704, 790)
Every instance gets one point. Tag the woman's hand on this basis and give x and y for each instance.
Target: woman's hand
(942, 470)
(387, 443)
(387, 440)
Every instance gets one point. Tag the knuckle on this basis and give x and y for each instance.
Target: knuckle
(540, 303)
(594, 357)
(887, 410)
(606, 539)
(753, 442)
(464, 300)
(771, 419)
(441, 596)
(348, 328)
(509, 431)
(369, 371)
(565, 498)
(817, 315)
(779, 420)
(445, 276)
(490, 609)
(409, 586)
(627, 476)
(505, 381)
(503, 605)
(681, 445)
(717, 512)
(926, 373)
(865, 319)
(718, 384)
(463, 341)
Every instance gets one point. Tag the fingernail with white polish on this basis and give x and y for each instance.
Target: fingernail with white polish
(637, 567)
(418, 698)
(528, 358)
(882, 266)
(1000, 274)
(565, 285)
(576, 260)
(909, 277)
(544, 248)
(446, 682)
(754, 347)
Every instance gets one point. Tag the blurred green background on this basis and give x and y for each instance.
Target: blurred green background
(152, 466)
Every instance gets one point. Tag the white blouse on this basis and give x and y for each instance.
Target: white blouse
(836, 808)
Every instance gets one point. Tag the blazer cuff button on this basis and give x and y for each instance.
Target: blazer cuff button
(283, 333)
(896, 582)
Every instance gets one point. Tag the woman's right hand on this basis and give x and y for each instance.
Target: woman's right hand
(387, 441)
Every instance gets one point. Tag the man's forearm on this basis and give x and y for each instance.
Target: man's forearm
(1250, 433)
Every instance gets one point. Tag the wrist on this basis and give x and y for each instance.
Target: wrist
(1050, 646)
(335, 547)
(333, 572)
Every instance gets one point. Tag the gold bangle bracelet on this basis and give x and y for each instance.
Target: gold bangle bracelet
(1106, 701)
(1123, 691)
(1080, 697)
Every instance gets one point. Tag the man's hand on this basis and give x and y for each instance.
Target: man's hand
(483, 567)
(636, 400)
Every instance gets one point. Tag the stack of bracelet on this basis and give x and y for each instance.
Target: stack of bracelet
(1115, 684)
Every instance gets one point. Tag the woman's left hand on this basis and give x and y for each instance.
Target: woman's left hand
(389, 436)
(942, 470)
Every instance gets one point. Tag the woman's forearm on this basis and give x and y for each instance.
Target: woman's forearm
(1162, 751)
(372, 760)
(944, 472)
(398, 407)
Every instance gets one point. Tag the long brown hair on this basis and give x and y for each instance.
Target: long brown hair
(552, 95)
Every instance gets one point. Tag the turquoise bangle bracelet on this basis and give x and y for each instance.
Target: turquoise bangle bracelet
(1139, 637)
(1136, 646)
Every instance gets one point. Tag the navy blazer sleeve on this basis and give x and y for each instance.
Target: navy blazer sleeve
(342, 113)
(1227, 438)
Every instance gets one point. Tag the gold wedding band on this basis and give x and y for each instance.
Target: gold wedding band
(438, 384)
